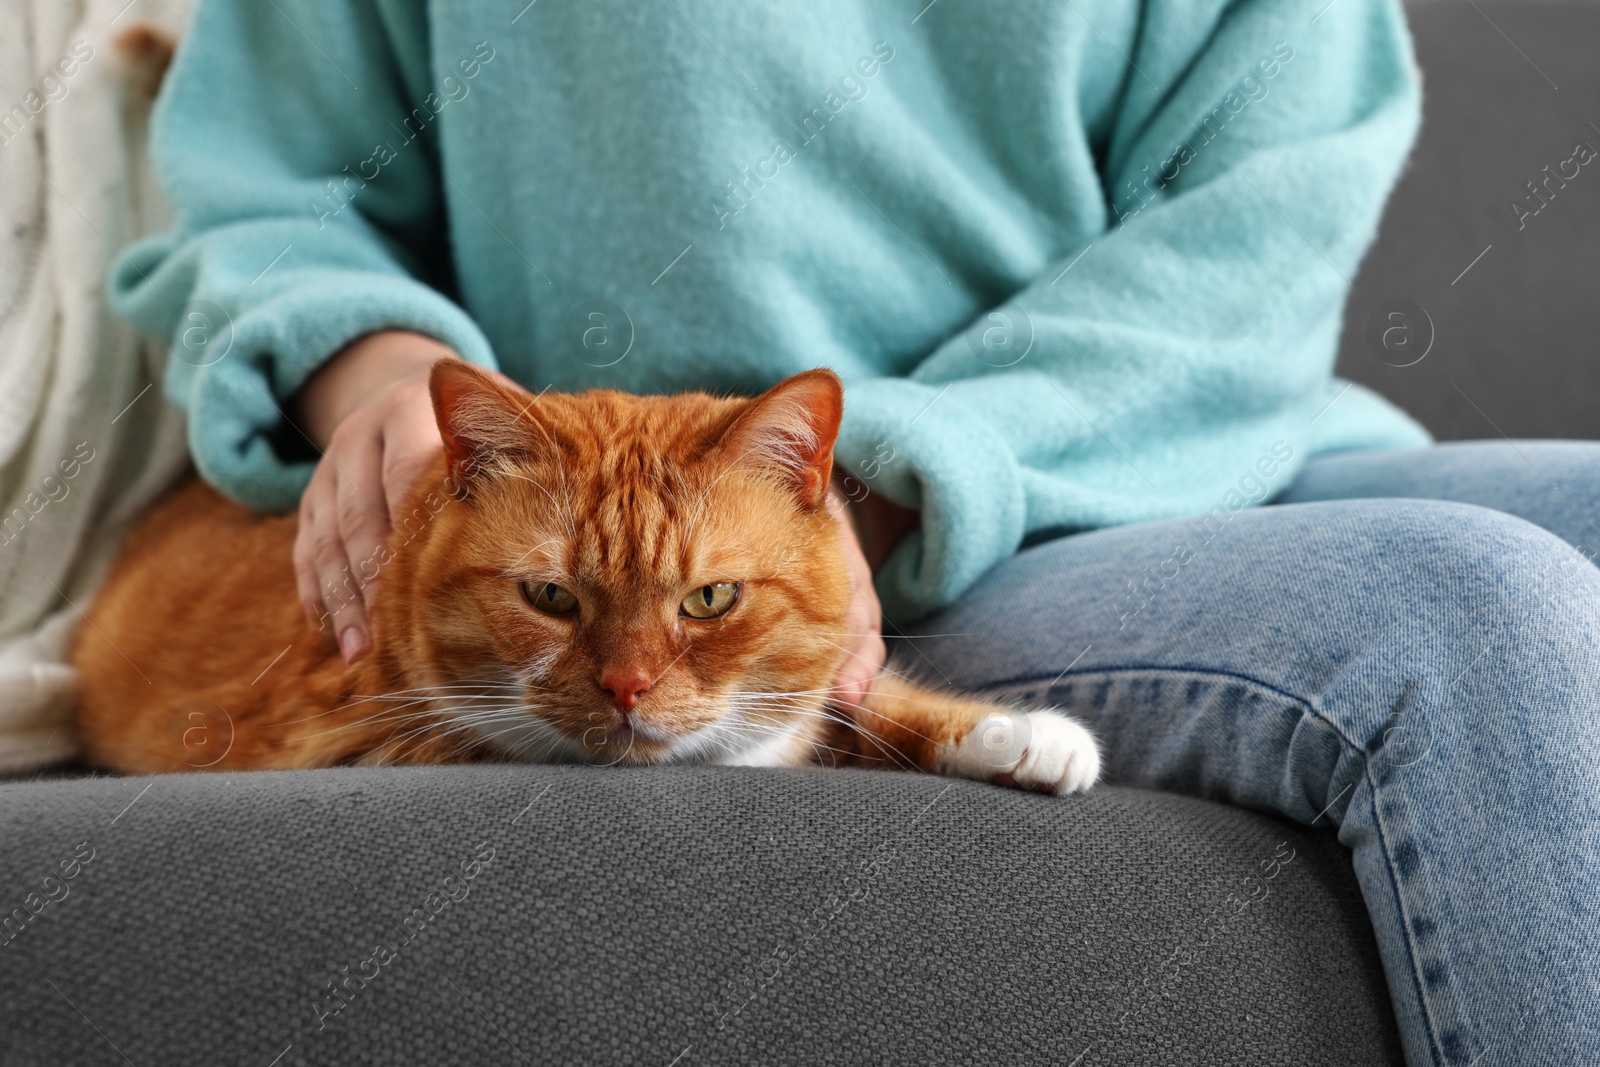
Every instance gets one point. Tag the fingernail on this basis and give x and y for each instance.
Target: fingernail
(352, 642)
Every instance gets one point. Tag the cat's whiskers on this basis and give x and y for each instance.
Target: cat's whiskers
(370, 720)
(749, 731)
(862, 708)
(877, 666)
(435, 704)
(848, 720)
(388, 715)
(780, 728)
(448, 724)
(625, 754)
(396, 713)
(397, 746)
(484, 713)
(541, 733)
(550, 741)
(899, 636)
(474, 732)
(753, 721)
(781, 702)
(448, 687)
(493, 739)
(777, 727)
(694, 745)
(401, 694)
(814, 744)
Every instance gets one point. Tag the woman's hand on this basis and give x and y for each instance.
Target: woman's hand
(368, 408)
(868, 531)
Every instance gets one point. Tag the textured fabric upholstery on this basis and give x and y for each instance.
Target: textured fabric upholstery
(775, 917)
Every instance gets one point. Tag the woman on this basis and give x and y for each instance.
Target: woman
(1082, 268)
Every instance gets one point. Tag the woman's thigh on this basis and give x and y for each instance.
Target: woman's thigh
(1554, 484)
(1202, 654)
(1373, 571)
(1424, 674)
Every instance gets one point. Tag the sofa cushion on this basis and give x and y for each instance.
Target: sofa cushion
(672, 915)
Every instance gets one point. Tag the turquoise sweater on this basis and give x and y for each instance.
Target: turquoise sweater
(1079, 262)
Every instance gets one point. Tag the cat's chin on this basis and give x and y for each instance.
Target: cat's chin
(628, 743)
(539, 742)
(728, 743)
(721, 742)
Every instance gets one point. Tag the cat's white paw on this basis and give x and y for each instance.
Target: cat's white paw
(1041, 750)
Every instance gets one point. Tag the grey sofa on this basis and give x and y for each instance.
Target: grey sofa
(678, 917)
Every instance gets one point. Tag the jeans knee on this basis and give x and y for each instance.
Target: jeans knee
(1496, 571)
(1505, 616)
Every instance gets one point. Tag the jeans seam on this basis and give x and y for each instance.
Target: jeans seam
(1309, 706)
(1428, 1020)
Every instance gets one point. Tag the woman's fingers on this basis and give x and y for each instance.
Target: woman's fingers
(314, 498)
(341, 596)
(863, 637)
(369, 406)
(362, 517)
(864, 642)
(322, 570)
(373, 458)
(857, 675)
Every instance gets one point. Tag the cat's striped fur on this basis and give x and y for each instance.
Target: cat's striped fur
(628, 503)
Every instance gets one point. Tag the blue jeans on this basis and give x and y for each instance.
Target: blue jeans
(1405, 645)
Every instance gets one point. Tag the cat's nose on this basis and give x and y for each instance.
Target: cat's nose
(624, 683)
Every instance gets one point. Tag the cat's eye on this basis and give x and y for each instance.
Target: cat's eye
(550, 598)
(710, 601)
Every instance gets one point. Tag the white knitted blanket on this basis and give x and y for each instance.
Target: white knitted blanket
(86, 439)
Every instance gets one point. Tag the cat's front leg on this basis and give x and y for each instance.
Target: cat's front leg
(904, 724)
(1042, 750)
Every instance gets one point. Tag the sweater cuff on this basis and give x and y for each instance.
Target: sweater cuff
(235, 373)
(909, 442)
(1351, 417)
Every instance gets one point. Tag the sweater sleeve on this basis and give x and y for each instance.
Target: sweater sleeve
(1146, 373)
(295, 140)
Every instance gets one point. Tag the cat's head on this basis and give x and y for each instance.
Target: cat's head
(623, 578)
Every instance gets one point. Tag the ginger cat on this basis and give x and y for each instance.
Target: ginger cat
(596, 577)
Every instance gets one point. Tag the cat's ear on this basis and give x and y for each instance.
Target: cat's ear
(791, 429)
(485, 425)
